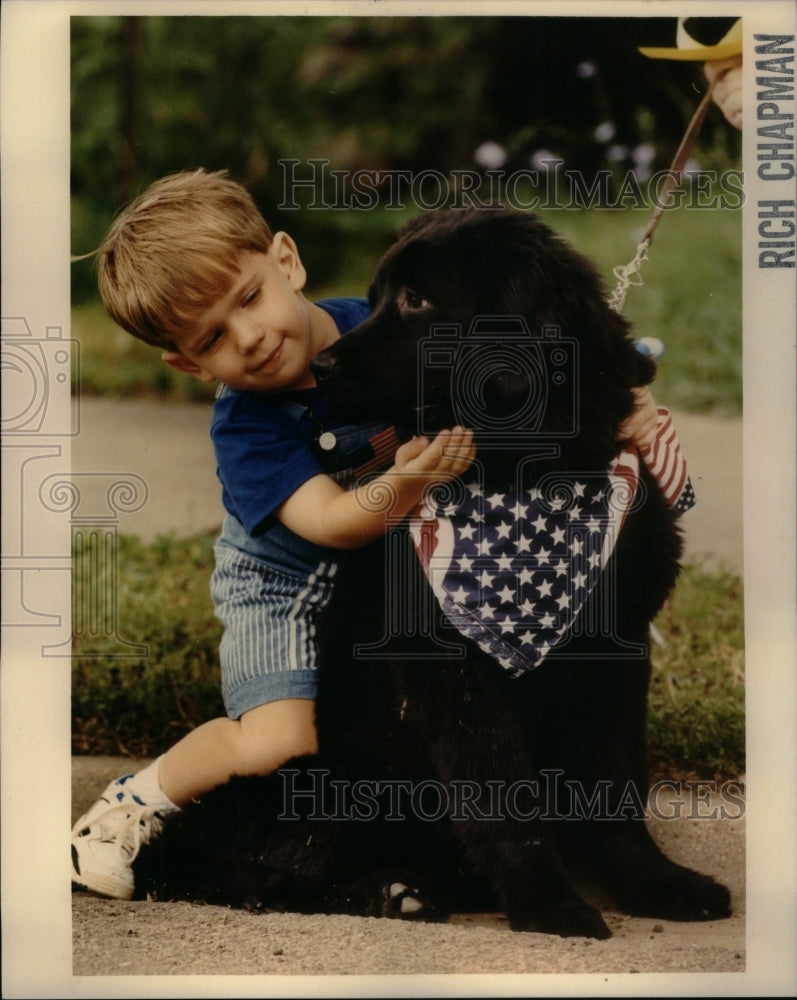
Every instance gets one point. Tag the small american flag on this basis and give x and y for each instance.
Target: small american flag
(374, 456)
(378, 454)
(512, 570)
(667, 464)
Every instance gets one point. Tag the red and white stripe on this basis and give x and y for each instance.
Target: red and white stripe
(664, 458)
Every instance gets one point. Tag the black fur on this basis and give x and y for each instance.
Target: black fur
(420, 709)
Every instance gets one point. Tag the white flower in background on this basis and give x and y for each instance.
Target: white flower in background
(616, 153)
(544, 159)
(586, 69)
(604, 132)
(490, 155)
(644, 154)
(691, 167)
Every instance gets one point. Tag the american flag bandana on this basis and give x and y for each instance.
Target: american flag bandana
(512, 571)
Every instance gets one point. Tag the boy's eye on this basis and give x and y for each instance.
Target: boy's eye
(252, 296)
(212, 340)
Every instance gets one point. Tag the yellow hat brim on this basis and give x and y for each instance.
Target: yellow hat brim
(701, 54)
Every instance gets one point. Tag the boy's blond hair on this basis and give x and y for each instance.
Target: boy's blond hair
(175, 250)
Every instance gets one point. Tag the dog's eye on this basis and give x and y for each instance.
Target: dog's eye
(415, 301)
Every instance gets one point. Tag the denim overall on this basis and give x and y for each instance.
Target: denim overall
(268, 589)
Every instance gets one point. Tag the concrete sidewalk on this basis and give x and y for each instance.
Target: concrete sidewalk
(168, 446)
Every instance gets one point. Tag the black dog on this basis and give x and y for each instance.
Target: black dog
(444, 780)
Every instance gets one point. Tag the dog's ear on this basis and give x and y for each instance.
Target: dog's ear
(630, 366)
(551, 284)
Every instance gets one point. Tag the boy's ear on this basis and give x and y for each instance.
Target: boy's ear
(286, 254)
(178, 361)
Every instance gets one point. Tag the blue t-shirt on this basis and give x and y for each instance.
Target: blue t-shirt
(267, 444)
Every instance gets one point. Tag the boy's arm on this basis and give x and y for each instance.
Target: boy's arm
(324, 513)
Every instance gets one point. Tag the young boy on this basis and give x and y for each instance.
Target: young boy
(191, 267)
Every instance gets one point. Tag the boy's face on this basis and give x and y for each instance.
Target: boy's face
(261, 336)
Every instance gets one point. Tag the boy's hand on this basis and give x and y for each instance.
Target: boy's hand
(446, 457)
(640, 427)
(324, 513)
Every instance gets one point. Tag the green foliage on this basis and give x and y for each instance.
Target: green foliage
(152, 95)
(142, 706)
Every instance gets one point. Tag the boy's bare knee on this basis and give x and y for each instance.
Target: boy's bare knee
(276, 732)
(297, 729)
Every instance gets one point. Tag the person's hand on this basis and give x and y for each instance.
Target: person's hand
(640, 427)
(446, 457)
(727, 93)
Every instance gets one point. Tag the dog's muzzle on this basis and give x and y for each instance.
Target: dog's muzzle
(323, 365)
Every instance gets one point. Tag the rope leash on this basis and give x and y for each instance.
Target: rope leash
(629, 274)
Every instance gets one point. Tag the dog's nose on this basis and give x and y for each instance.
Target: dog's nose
(323, 365)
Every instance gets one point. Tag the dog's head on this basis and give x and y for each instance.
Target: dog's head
(486, 318)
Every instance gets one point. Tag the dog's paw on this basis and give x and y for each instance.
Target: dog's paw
(574, 918)
(682, 895)
(409, 902)
(390, 892)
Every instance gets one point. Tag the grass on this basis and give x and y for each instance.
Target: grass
(140, 706)
(697, 710)
(691, 300)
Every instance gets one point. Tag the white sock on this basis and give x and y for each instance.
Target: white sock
(146, 787)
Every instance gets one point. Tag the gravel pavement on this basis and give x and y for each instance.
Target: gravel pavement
(113, 938)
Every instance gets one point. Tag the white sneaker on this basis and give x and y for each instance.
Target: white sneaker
(107, 839)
